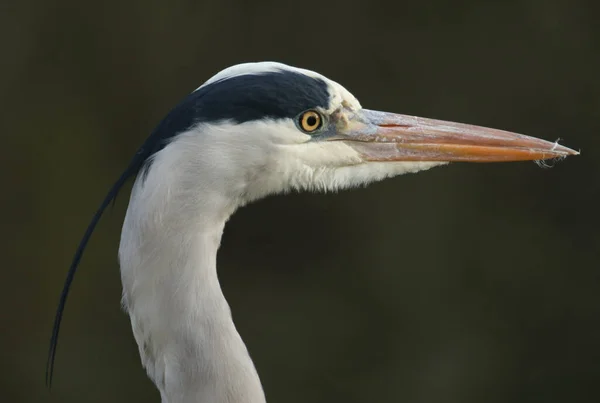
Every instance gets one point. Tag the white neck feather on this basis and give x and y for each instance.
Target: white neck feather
(181, 321)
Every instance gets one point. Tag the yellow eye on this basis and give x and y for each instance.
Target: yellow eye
(310, 121)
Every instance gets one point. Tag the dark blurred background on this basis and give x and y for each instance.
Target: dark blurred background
(467, 283)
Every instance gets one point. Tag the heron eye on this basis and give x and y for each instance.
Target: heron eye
(310, 121)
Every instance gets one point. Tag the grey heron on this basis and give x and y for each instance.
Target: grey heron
(252, 130)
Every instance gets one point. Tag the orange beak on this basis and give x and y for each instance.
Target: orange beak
(382, 136)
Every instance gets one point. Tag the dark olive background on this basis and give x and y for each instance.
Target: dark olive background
(467, 283)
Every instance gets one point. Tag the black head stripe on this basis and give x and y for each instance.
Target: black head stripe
(240, 99)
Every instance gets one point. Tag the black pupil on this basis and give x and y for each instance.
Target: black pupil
(311, 121)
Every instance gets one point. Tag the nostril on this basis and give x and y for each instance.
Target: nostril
(393, 125)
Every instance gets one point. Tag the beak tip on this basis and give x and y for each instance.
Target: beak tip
(564, 151)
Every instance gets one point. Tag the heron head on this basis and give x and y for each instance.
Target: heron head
(267, 127)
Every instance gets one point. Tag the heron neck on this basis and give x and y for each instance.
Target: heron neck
(180, 318)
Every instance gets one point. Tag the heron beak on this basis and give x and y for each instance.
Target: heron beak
(381, 136)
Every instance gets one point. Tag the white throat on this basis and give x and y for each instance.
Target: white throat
(181, 321)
